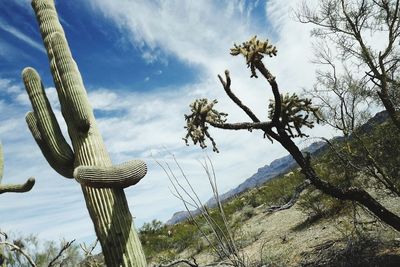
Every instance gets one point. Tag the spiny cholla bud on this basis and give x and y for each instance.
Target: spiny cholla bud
(202, 113)
(295, 113)
(253, 47)
(253, 51)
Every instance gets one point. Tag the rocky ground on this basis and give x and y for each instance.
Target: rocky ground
(290, 238)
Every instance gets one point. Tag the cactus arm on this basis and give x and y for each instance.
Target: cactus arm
(15, 188)
(70, 82)
(59, 166)
(75, 106)
(18, 188)
(120, 176)
(54, 147)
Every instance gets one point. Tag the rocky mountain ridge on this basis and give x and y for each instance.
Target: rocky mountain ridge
(263, 174)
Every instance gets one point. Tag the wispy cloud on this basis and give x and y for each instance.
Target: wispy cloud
(9, 53)
(21, 36)
(195, 32)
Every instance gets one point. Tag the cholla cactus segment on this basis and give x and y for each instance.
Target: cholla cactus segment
(295, 114)
(252, 48)
(196, 123)
(119, 176)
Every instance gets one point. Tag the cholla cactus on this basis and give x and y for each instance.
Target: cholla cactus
(202, 113)
(15, 188)
(295, 113)
(87, 161)
(288, 113)
(253, 50)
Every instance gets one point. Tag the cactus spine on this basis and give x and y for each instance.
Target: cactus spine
(87, 161)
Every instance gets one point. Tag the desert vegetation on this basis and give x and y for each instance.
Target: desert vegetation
(337, 206)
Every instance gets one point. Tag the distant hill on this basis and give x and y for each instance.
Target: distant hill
(276, 168)
(263, 174)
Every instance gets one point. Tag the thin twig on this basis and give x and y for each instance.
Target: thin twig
(89, 251)
(225, 247)
(189, 263)
(62, 250)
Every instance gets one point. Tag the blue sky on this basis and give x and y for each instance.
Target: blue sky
(142, 62)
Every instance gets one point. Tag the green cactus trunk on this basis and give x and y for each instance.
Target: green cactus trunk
(104, 195)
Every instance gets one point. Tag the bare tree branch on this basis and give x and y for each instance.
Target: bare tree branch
(187, 262)
(296, 195)
(227, 88)
(62, 250)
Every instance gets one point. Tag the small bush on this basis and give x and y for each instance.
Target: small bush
(248, 212)
(318, 205)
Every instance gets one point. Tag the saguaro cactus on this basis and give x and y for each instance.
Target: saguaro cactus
(87, 161)
(15, 188)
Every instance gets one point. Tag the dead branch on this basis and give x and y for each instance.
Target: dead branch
(189, 263)
(62, 250)
(88, 251)
(296, 195)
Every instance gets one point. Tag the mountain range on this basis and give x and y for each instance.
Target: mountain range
(263, 174)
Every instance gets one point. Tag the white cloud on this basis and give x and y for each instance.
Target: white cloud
(7, 86)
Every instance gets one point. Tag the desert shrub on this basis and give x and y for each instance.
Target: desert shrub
(384, 146)
(318, 205)
(41, 252)
(371, 153)
(154, 237)
(233, 205)
(346, 165)
(248, 212)
(278, 190)
(253, 201)
(159, 239)
(184, 236)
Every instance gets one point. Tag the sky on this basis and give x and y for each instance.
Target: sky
(143, 63)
